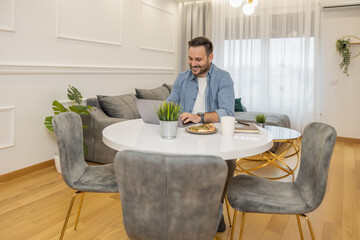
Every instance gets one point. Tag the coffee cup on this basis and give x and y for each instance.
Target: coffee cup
(227, 125)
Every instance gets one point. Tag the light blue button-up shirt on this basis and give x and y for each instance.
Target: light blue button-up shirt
(219, 91)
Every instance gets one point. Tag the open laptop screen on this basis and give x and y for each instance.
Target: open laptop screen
(147, 112)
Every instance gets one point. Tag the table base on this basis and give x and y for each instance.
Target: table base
(275, 159)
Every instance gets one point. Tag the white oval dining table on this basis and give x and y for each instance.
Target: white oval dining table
(137, 135)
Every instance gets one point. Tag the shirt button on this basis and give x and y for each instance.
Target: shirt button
(194, 99)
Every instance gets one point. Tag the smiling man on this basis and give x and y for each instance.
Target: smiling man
(205, 92)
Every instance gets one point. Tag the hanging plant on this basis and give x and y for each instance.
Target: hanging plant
(343, 47)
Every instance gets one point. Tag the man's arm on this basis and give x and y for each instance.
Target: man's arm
(190, 117)
(226, 97)
(175, 92)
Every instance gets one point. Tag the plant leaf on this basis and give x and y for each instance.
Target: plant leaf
(58, 107)
(85, 148)
(79, 109)
(74, 94)
(168, 111)
(48, 123)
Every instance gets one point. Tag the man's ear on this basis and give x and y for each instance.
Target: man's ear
(211, 56)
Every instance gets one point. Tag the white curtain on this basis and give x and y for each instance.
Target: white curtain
(271, 55)
(195, 21)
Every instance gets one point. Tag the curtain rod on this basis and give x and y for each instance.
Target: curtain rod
(340, 6)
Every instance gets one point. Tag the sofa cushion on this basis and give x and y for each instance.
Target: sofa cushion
(160, 93)
(122, 106)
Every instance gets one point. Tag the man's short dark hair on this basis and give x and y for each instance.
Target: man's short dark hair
(202, 41)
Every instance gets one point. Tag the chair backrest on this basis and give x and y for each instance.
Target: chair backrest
(317, 146)
(170, 196)
(69, 136)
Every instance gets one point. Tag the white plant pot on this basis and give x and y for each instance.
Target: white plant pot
(261, 125)
(57, 162)
(168, 129)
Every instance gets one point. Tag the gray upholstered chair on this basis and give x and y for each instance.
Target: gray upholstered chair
(75, 171)
(259, 195)
(167, 197)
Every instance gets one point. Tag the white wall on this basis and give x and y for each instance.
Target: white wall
(340, 95)
(100, 47)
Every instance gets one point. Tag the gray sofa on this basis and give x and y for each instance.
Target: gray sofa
(113, 109)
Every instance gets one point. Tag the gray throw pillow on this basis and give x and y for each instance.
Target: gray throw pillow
(168, 86)
(122, 106)
(160, 93)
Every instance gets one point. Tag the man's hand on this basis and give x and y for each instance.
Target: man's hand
(189, 117)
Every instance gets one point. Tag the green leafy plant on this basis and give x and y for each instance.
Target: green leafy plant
(343, 47)
(75, 96)
(260, 118)
(168, 111)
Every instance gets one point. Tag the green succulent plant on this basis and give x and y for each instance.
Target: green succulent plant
(75, 96)
(260, 118)
(168, 111)
(343, 47)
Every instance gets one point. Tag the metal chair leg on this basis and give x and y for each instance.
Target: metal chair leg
(79, 210)
(228, 209)
(309, 225)
(300, 228)
(234, 222)
(68, 215)
(242, 224)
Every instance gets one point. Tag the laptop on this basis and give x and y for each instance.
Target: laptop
(147, 112)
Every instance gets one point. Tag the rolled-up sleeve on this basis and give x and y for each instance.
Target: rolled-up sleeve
(226, 97)
(175, 92)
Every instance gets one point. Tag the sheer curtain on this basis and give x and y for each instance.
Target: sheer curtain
(271, 55)
(195, 21)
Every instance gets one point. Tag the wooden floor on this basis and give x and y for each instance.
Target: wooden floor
(34, 207)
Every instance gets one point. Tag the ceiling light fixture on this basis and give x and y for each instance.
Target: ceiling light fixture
(248, 8)
(235, 3)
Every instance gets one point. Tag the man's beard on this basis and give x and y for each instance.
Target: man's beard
(203, 69)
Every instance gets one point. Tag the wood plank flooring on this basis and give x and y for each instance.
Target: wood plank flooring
(34, 207)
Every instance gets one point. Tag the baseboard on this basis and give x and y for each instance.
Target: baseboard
(24, 171)
(348, 140)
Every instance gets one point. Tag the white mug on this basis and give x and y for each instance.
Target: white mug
(227, 125)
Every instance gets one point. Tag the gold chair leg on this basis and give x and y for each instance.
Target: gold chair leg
(228, 209)
(233, 228)
(300, 228)
(79, 210)
(242, 224)
(309, 225)
(68, 215)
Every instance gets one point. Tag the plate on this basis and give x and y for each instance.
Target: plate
(200, 133)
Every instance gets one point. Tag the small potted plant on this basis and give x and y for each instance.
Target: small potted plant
(75, 96)
(260, 120)
(343, 48)
(168, 114)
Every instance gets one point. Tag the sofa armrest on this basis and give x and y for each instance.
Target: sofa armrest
(96, 121)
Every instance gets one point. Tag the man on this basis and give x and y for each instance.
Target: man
(206, 93)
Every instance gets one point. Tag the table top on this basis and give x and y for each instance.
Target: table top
(137, 135)
(283, 134)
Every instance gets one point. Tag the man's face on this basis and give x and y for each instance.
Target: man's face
(198, 61)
